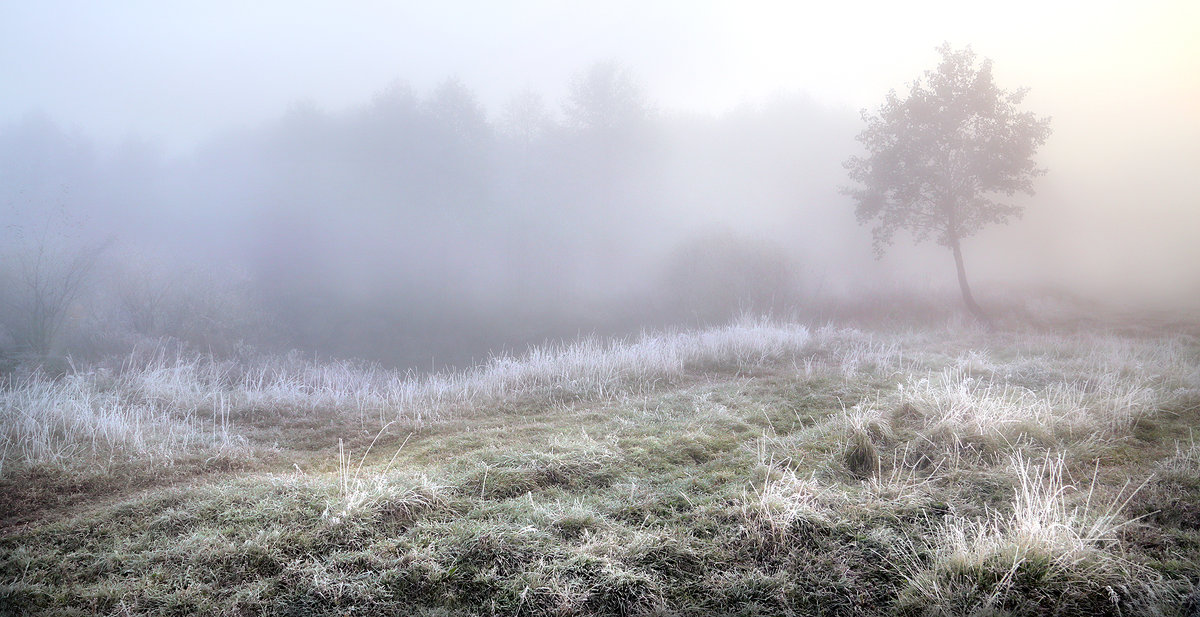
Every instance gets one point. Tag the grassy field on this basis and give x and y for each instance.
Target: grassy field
(762, 468)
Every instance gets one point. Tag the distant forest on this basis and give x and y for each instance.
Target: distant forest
(420, 229)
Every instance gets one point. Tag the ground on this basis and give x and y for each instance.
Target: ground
(758, 469)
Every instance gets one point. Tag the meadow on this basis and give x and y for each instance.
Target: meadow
(760, 468)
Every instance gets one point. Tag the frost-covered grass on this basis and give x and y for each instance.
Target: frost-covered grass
(157, 406)
(1051, 535)
(762, 468)
(79, 419)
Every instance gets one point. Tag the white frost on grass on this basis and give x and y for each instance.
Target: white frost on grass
(159, 405)
(1052, 527)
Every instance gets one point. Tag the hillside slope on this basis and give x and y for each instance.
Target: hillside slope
(756, 469)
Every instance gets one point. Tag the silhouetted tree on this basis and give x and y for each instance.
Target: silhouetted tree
(526, 120)
(456, 149)
(605, 98)
(940, 157)
(47, 286)
(458, 113)
(604, 164)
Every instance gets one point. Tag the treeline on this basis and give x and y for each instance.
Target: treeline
(419, 228)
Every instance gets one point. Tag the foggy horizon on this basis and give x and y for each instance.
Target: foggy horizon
(511, 174)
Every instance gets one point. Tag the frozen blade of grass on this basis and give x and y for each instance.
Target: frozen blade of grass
(72, 420)
(1186, 460)
(366, 495)
(773, 508)
(904, 481)
(1043, 530)
(356, 490)
(1043, 518)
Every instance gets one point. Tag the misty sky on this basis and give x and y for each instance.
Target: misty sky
(177, 71)
(1121, 81)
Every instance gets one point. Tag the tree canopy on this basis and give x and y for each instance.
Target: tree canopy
(942, 159)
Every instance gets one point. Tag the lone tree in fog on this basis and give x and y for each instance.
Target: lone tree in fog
(940, 158)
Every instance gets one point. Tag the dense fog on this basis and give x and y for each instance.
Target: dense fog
(426, 224)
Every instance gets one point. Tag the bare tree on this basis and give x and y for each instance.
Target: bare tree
(49, 285)
(47, 274)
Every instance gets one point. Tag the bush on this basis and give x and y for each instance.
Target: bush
(714, 277)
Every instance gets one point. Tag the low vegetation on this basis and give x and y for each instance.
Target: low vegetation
(761, 468)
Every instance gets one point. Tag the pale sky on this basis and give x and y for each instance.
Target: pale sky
(178, 71)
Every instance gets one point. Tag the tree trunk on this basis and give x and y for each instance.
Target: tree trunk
(968, 299)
